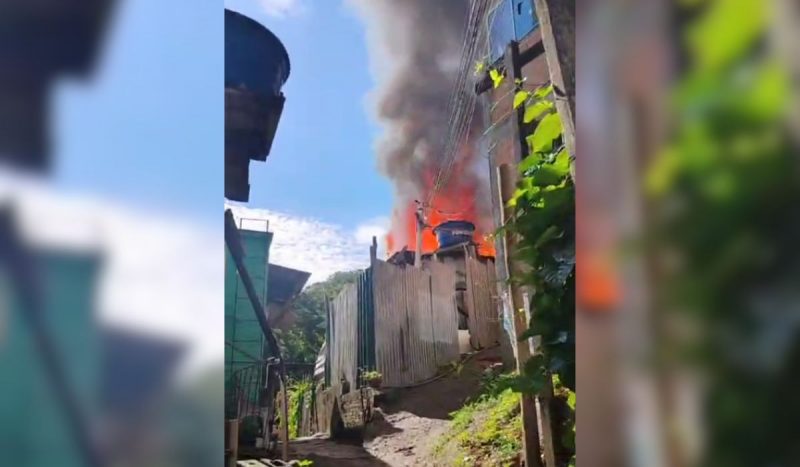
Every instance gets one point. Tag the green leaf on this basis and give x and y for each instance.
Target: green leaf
(529, 162)
(549, 234)
(542, 92)
(535, 110)
(548, 129)
(562, 162)
(497, 77)
(571, 400)
(725, 32)
(555, 173)
(520, 97)
(518, 193)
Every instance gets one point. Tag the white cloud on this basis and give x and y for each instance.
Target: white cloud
(282, 8)
(311, 245)
(377, 227)
(161, 274)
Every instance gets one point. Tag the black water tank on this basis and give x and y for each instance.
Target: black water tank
(256, 68)
(453, 233)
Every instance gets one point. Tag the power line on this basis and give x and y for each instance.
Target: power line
(462, 101)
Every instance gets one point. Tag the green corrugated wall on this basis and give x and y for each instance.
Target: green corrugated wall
(244, 340)
(34, 430)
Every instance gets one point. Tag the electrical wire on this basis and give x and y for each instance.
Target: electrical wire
(462, 100)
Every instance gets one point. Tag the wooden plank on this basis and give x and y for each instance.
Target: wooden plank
(443, 310)
(557, 23)
(484, 322)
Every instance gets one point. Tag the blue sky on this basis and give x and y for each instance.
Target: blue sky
(147, 128)
(322, 164)
(138, 156)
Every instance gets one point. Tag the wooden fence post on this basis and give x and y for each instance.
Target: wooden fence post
(373, 251)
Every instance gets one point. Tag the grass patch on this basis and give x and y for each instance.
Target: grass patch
(487, 430)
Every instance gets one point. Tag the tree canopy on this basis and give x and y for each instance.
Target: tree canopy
(302, 341)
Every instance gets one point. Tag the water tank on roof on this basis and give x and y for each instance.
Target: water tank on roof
(453, 232)
(256, 68)
(255, 59)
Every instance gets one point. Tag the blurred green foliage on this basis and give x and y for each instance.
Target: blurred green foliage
(723, 226)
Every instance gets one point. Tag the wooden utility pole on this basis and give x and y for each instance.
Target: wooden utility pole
(557, 24)
(420, 225)
(507, 183)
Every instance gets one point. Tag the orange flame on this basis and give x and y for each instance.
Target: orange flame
(456, 201)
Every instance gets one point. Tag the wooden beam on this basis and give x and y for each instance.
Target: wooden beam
(513, 66)
(231, 442)
(557, 24)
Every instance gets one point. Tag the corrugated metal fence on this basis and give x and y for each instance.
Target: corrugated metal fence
(443, 308)
(402, 321)
(343, 336)
(484, 320)
(415, 321)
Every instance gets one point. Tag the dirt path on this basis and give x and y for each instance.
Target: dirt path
(327, 453)
(408, 422)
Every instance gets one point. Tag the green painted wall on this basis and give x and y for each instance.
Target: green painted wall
(244, 340)
(33, 428)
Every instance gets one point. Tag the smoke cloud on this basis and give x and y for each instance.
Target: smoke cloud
(415, 49)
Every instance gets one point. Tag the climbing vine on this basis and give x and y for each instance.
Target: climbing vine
(543, 218)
